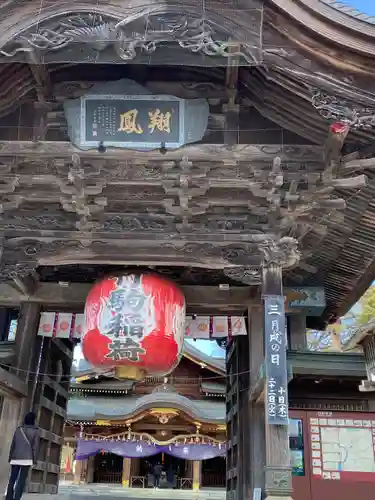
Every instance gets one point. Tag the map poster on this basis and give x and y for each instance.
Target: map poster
(276, 366)
(342, 446)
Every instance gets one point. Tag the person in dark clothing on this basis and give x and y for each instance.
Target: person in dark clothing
(157, 473)
(23, 455)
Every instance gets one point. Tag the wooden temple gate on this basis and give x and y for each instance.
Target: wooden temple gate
(228, 148)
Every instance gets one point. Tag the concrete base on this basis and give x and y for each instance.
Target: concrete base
(113, 492)
(272, 497)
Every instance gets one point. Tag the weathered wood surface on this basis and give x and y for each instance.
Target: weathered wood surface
(59, 149)
(278, 473)
(299, 87)
(74, 296)
(297, 332)
(9, 420)
(11, 386)
(257, 415)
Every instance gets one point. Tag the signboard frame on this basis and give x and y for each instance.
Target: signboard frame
(132, 144)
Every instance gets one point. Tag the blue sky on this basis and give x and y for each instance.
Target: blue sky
(366, 6)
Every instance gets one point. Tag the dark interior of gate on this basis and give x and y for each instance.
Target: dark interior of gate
(272, 169)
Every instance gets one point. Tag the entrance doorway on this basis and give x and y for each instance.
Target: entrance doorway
(174, 470)
(108, 468)
(213, 473)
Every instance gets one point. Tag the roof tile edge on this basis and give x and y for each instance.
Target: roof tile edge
(349, 11)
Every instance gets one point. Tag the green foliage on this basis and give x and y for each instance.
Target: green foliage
(367, 303)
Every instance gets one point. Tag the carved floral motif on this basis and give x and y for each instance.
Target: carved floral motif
(9, 271)
(131, 223)
(246, 275)
(278, 481)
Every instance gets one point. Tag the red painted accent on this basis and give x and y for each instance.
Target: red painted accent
(339, 128)
(68, 467)
(360, 477)
(161, 314)
(64, 326)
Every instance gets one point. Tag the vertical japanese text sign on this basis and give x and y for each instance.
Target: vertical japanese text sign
(276, 365)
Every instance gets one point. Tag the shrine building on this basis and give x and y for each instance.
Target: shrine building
(187, 407)
(180, 170)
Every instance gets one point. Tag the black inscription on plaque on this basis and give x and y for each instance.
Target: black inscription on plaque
(125, 349)
(276, 364)
(132, 121)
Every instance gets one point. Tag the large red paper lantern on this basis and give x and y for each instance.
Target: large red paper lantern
(136, 324)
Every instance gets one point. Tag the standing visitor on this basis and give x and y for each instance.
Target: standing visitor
(22, 456)
(157, 473)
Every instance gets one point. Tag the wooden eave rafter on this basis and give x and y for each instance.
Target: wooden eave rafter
(331, 23)
(327, 364)
(360, 335)
(204, 364)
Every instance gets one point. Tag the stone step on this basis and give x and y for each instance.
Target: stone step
(134, 493)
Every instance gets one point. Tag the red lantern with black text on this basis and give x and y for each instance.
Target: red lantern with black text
(135, 324)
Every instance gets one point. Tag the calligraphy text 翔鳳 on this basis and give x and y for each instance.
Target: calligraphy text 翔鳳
(128, 122)
(159, 121)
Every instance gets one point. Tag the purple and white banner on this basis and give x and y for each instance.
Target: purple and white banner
(141, 449)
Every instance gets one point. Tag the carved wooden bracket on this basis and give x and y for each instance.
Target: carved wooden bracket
(279, 481)
(283, 253)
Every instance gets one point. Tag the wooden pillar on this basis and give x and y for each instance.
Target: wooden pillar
(4, 323)
(90, 469)
(197, 465)
(297, 332)
(26, 338)
(278, 473)
(257, 414)
(77, 472)
(10, 416)
(13, 410)
(45, 364)
(83, 478)
(126, 472)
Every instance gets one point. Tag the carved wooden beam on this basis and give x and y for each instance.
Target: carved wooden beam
(231, 109)
(81, 198)
(74, 296)
(241, 152)
(12, 386)
(27, 284)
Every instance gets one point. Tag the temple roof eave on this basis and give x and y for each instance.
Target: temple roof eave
(333, 21)
(361, 333)
(83, 370)
(94, 408)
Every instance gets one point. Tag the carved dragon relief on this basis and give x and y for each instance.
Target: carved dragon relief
(334, 108)
(138, 33)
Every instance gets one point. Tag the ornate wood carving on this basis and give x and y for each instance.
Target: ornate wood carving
(80, 197)
(224, 213)
(339, 109)
(128, 37)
